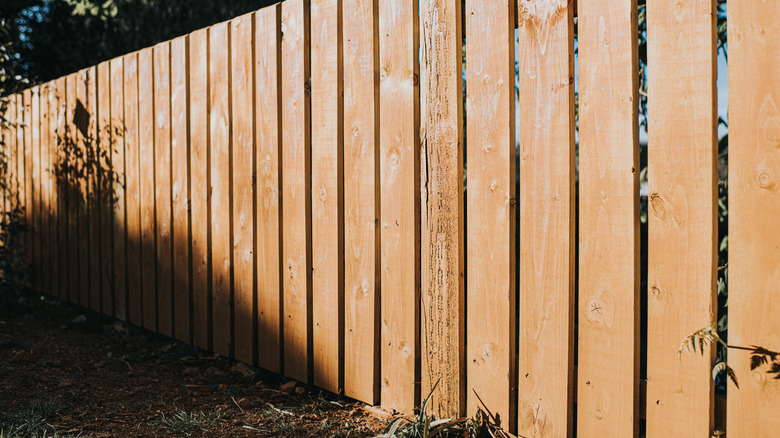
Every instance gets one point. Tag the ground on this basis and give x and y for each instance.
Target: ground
(72, 372)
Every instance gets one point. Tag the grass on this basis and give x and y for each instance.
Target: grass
(185, 423)
(32, 421)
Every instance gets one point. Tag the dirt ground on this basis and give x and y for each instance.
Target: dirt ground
(72, 372)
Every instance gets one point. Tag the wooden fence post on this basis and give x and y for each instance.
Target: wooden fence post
(442, 218)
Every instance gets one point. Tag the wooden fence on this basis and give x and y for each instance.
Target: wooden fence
(287, 189)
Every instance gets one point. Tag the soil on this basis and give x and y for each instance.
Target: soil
(68, 370)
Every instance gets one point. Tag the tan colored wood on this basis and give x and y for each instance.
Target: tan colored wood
(268, 141)
(44, 235)
(180, 190)
(61, 249)
(162, 186)
(399, 142)
(327, 195)
(754, 206)
(69, 181)
(219, 187)
(91, 219)
(242, 215)
(609, 300)
(27, 179)
(296, 192)
(119, 218)
(104, 196)
(132, 190)
(34, 167)
(199, 157)
(361, 201)
(146, 159)
(443, 295)
(547, 242)
(491, 201)
(82, 118)
(682, 231)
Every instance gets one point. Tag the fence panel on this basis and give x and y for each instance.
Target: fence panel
(60, 187)
(44, 238)
(26, 160)
(162, 186)
(490, 200)
(199, 159)
(268, 139)
(118, 188)
(180, 192)
(399, 143)
(243, 92)
(296, 192)
(34, 225)
(361, 201)
(219, 187)
(682, 215)
(609, 300)
(146, 169)
(327, 183)
(546, 296)
(91, 218)
(754, 231)
(82, 116)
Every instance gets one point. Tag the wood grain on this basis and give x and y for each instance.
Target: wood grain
(296, 193)
(119, 208)
(44, 256)
(490, 216)
(199, 193)
(547, 242)
(399, 143)
(242, 125)
(609, 300)
(180, 194)
(754, 206)
(682, 231)
(268, 212)
(162, 187)
(27, 180)
(34, 205)
(91, 222)
(443, 295)
(132, 190)
(327, 175)
(361, 201)
(61, 250)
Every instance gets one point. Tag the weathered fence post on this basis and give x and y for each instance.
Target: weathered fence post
(441, 186)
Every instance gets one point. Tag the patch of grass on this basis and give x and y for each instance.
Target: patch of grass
(185, 423)
(32, 421)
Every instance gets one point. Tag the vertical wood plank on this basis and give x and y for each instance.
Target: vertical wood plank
(34, 168)
(490, 197)
(146, 157)
(754, 232)
(327, 195)
(180, 195)
(242, 215)
(219, 185)
(399, 143)
(132, 190)
(44, 235)
(268, 141)
(442, 218)
(608, 358)
(361, 201)
(71, 187)
(682, 213)
(296, 174)
(546, 296)
(162, 186)
(82, 120)
(26, 181)
(104, 196)
(91, 224)
(53, 197)
(61, 189)
(119, 207)
(199, 157)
